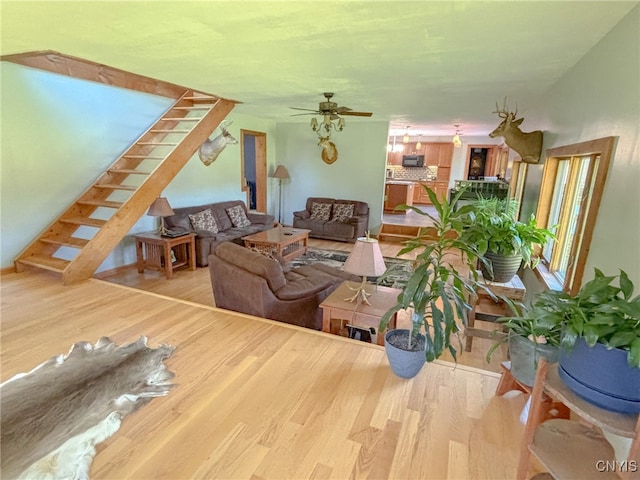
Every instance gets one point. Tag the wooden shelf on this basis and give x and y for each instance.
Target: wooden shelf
(570, 449)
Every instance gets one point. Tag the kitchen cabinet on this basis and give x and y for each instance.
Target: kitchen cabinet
(397, 193)
(438, 154)
(441, 190)
(394, 158)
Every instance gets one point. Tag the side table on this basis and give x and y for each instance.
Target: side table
(153, 252)
(483, 307)
(336, 307)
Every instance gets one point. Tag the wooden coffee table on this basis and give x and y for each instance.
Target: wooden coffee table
(337, 311)
(287, 242)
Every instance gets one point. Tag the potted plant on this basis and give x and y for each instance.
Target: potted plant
(600, 342)
(531, 334)
(436, 291)
(505, 242)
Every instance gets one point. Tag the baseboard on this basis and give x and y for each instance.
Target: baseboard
(7, 270)
(113, 271)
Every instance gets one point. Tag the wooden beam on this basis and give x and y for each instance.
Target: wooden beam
(75, 67)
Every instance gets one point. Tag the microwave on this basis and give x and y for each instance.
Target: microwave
(413, 160)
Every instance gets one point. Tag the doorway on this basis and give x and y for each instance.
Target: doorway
(253, 152)
(486, 161)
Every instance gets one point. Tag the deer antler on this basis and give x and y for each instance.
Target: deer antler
(504, 112)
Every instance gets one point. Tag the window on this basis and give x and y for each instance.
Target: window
(572, 185)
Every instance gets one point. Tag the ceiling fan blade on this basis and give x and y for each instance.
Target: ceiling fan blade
(334, 116)
(342, 110)
(298, 114)
(358, 114)
(306, 109)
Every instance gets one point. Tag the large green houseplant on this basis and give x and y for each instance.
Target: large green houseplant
(443, 277)
(505, 242)
(530, 334)
(599, 356)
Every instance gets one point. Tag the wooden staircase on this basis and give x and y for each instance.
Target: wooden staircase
(78, 241)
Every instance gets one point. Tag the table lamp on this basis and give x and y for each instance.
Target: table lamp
(364, 260)
(160, 208)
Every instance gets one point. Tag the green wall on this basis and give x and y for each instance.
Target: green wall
(600, 97)
(59, 134)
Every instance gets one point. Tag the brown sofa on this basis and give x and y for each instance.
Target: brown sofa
(347, 230)
(248, 282)
(206, 241)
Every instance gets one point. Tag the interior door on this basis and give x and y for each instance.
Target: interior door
(254, 169)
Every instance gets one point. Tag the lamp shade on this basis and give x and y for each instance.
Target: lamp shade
(365, 259)
(281, 172)
(160, 208)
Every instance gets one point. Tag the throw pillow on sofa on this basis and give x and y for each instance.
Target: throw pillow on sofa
(238, 217)
(204, 221)
(320, 211)
(342, 212)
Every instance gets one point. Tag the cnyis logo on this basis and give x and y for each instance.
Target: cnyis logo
(615, 466)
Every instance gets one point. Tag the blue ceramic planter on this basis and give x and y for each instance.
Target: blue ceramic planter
(404, 363)
(601, 376)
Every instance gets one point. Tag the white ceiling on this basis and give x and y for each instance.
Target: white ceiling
(427, 65)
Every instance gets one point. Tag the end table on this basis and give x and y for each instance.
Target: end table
(154, 252)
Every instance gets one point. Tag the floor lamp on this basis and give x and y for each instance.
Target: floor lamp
(281, 174)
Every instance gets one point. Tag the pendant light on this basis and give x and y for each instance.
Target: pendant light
(456, 137)
(419, 145)
(406, 139)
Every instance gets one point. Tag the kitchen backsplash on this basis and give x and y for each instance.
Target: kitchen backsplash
(413, 173)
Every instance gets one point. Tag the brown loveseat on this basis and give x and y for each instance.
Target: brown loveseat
(345, 229)
(207, 241)
(246, 281)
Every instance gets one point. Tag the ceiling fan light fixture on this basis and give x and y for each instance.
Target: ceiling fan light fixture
(314, 124)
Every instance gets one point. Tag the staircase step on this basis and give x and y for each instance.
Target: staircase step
(191, 108)
(165, 144)
(45, 262)
(180, 119)
(128, 171)
(169, 131)
(101, 203)
(116, 186)
(91, 222)
(67, 242)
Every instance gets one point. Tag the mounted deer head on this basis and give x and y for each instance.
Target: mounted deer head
(329, 151)
(527, 145)
(210, 149)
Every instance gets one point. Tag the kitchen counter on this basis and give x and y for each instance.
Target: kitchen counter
(397, 192)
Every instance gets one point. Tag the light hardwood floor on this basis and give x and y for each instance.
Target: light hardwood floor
(256, 399)
(195, 286)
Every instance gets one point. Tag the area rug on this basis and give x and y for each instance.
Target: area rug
(55, 415)
(397, 274)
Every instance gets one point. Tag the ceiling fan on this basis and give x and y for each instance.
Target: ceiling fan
(332, 109)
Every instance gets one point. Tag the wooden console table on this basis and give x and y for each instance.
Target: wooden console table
(153, 250)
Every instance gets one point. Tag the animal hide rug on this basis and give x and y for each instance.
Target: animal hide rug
(53, 416)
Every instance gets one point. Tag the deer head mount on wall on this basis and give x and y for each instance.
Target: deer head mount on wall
(527, 145)
(210, 149)
(329, 151)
